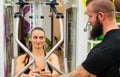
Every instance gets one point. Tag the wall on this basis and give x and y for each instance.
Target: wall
(2, 51)
(56, 24)
(81, 46)
(47, 21)
(81, 36)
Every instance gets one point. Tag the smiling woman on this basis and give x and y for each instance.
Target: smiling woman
(36, 46)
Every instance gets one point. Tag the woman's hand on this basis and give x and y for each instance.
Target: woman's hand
(33, 73)
(45, 74)
(40, 73)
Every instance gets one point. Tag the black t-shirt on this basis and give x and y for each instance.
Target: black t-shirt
(104, 59)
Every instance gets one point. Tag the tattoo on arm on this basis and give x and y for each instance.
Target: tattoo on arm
(79, 72)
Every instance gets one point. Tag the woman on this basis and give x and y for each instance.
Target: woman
(37, 41)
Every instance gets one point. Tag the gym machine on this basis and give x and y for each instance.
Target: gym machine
(17, 17)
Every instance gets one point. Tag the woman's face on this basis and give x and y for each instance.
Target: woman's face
(37, 39)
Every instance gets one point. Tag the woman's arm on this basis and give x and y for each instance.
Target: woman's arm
(20, 65)
(54, 59)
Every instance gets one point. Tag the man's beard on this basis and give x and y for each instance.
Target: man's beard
(97, 29)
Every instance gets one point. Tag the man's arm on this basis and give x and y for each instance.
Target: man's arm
(79, 72)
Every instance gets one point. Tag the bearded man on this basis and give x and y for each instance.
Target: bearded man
(104, 59)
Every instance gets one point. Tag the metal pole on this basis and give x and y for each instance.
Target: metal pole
(52, 50)
(26, 50)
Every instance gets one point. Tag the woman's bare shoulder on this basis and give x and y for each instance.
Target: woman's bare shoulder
(53, 56)
(21, 57)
